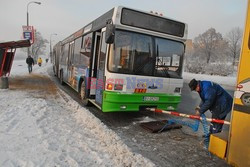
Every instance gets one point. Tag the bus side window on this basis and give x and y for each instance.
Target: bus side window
(77, 49)
(65, 54)
(102, 53)
(61, 56)
(86, 50)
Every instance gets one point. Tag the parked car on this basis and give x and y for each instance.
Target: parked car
(243, 91)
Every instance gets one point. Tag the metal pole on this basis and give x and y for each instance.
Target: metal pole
(50, 47)
(28, 48)
(189, 116)
(27, 18)
(50, 56)
(39, 3)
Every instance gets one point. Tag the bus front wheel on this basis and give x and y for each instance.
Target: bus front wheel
(83, 97)
(245, 99)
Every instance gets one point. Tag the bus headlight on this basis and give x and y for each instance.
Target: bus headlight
(109, 86)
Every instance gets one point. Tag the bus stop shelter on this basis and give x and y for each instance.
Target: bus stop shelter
(7, 53)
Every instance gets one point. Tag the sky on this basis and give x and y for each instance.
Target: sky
(65, 17)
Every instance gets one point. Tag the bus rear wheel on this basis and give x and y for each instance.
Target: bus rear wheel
(61, 78)
(83, 97)
(54, 71)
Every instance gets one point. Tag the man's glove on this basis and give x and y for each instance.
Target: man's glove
(197, 111)
(197, 108)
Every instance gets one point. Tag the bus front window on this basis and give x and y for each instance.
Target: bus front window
(133, 53)
(169, 58)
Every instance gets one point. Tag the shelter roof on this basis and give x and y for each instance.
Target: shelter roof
(15, 44)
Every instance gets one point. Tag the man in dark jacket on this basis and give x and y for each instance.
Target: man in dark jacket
(215, 99)
(30, 62)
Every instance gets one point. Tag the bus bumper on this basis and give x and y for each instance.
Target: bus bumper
(117, 101)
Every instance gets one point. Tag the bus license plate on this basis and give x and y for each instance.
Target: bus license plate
(146, 98)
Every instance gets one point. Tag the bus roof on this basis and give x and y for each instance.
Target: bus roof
(100, 22)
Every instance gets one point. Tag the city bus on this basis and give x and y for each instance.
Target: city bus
(125, 60)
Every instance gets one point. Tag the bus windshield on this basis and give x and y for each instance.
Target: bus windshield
(140, 54)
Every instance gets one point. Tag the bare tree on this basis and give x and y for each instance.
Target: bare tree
(221, 52)
(38, 47)
(208, 42)
(234, 38)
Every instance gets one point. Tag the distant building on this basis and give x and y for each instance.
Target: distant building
(189, 46)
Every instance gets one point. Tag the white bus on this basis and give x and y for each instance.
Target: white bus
(125, 60)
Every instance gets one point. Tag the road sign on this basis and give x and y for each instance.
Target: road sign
(27, 35)
(27, 28)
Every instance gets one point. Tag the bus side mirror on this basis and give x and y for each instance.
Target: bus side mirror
(110, 33)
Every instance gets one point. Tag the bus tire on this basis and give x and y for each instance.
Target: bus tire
(245, 99)
(82, 93)
(61, 77)
(54, 71)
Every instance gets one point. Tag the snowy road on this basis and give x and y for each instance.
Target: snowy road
(41, 127)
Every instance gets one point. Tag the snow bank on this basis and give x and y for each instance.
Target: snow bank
(226, 81)
(109, 141)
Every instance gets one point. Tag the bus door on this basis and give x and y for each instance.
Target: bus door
(70, 65)
(100, 84)
(94, 63)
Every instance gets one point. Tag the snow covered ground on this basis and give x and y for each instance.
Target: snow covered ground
(226, 82)
(42, 126)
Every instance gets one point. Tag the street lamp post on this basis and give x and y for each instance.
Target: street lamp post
(50, 46)
(39, 3)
